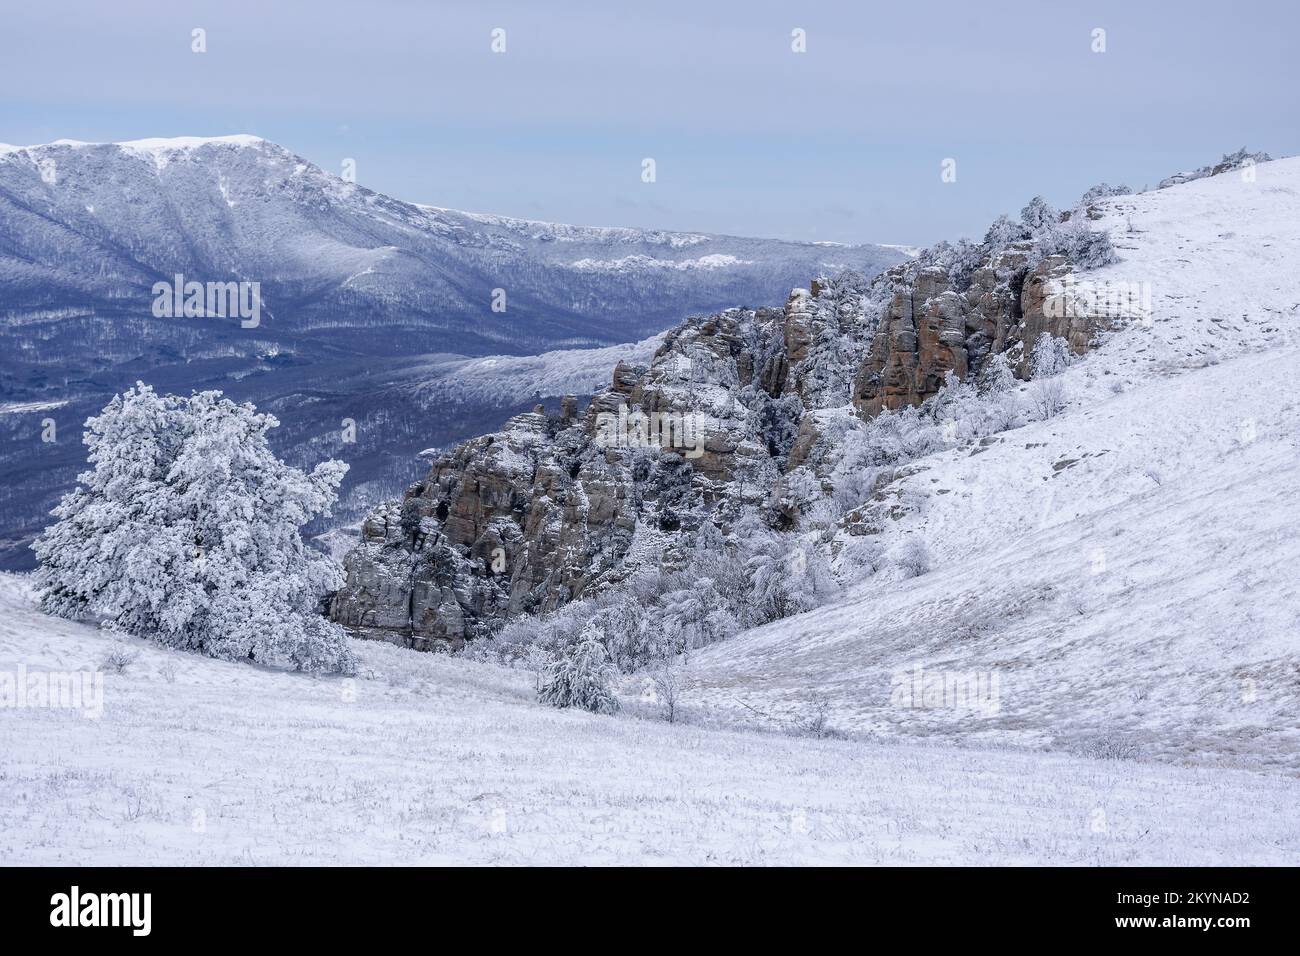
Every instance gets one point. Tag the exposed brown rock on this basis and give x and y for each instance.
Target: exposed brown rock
(545, 510)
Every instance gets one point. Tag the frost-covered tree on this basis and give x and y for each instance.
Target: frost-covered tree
(958, 259)
(1085, 248)
(957, 409)
(582, 676)
(776, 419)
(1051, 356)
(1001, 394)
(697, 616)
(997, 377)
(965, 259)
(913, 557)
(1038, 215)
(628, 631)
(800, 488)
(854, 474)
(862, 557)
(760, 557)
(1048, 397)
(1103, 191)
(812, 581)
(1002, 233)
(668, 683)
(186, 530)
(770, 585)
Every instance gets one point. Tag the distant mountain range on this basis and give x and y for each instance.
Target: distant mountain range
(364, 302)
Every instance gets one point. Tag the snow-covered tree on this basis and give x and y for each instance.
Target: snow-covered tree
(1085, 248)
(697, 616)
(776, 419)
(1001, 394)
(1038, 215)
(812, 581)
(800, 488)
(629, 633)
(1048, 397)
(1002, 233)
(997, 377)
(186, 530)
(1103, 191)
(769, 577)
(582, 676)
(966, 258)
(957, 409)
(862, 557)
(668, 684)
(913, 557)
(1051, 356)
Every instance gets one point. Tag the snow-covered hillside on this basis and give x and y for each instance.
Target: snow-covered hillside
(500, 380)
(1127, 569)
(1110, 609)
(426, 759)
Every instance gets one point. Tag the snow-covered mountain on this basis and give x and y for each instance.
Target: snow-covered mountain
(88, 228)
(368, 305)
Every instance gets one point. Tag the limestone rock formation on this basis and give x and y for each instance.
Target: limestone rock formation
(556, 507)
(928, 327)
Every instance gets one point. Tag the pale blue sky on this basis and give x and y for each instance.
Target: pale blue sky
(843, 142)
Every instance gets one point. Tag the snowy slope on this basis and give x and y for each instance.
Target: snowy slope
(1128, 569)
(426, 759)
(498, 380)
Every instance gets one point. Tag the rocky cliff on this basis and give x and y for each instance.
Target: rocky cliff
(555, 507)
(929, 326)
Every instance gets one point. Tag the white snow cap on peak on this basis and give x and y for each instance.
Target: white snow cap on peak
(154, 144)
(192, 142)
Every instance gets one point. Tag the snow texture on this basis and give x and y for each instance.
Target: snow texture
(424, 759)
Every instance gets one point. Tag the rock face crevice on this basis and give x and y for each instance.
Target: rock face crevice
(555, 507)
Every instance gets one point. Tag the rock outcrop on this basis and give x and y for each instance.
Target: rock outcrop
(555, 507)
(516, 522)
(928, 327)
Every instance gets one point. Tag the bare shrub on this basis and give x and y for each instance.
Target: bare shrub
(1110, 747)
(167, 670)
(120, 658)
(816, 720)
(668, 686)
(1048, 397)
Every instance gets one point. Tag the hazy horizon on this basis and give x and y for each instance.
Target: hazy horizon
(841, 143)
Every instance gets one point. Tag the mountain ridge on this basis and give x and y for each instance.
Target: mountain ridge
(351, 283)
